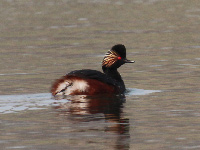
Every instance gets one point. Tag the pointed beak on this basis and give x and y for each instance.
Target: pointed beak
(128, 61)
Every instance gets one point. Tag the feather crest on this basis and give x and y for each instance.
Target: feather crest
(110, 58)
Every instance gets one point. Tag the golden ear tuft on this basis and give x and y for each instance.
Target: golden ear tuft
(110, 58)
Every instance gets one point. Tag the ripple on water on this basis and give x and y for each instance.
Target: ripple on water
(17, 103)
(132, 91)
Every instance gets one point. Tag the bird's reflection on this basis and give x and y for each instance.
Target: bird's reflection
(95, 108)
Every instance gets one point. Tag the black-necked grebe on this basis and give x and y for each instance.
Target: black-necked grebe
(93, 82)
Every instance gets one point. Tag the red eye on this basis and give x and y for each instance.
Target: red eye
(119, 58)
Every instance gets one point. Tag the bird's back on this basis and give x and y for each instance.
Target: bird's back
(85, 82)
(93, 74)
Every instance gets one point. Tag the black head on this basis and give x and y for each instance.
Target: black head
(120, 50)
(115, 57)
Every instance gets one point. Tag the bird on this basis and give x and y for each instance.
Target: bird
(93, 82)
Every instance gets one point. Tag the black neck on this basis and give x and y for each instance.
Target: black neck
(112, 73)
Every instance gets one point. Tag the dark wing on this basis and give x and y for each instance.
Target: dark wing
(93, 74)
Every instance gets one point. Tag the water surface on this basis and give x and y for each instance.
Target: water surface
(42, 40)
